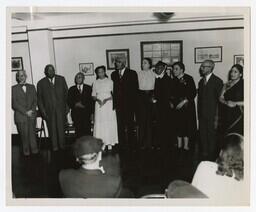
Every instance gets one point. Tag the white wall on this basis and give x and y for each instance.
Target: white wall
(22, 50)
(70, 52)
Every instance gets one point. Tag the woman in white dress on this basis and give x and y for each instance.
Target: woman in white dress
(105, 124)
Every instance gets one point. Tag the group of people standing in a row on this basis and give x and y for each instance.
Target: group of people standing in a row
(157, 100)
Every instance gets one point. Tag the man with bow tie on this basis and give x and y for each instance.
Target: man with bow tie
(209, 89)
(125, 94)
(24, 103)
(52, 94)
(81, 104)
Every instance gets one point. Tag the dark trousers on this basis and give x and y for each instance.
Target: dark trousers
(163, 138)
(125, 127)
(145, 118)
(208, 140)
(82, 122)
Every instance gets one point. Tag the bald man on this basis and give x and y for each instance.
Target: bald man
(125, 93)
(52, 92)
(209, 89)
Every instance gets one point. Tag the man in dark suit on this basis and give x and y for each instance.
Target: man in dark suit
(98, 176)
(81, 104)
(24, 103)
(209, 89)
(52, 93)
(125, 93)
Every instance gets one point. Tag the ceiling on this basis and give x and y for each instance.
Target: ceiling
(61, 19)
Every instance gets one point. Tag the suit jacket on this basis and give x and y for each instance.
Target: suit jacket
(22, 102)
(82, 183)
(50, 99)
(85, 98)
(125, 90)
(208, 97)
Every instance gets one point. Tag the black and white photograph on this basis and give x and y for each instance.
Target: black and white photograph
(213, 53)
(17, 63)
(112, 54)
(86, 68)
(239, 59)
(129, 106)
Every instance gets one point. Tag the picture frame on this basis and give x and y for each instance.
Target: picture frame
(169, 51)
(86, 68)
(213, 53)
(239, 59)
(17, 64)
(112, 54)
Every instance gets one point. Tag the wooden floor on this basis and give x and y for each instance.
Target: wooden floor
(143, 171)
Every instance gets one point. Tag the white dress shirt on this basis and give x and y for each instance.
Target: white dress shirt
(208, 77)
(24, 87)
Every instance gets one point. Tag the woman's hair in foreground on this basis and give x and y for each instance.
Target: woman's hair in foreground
(231, 159)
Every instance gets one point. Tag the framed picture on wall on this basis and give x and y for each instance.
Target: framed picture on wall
(213, 53)
(17, 64)
(86, 69)
(239, 59)
(168, 52)
(112, 54)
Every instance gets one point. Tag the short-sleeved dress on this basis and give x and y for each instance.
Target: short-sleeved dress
(105, 125)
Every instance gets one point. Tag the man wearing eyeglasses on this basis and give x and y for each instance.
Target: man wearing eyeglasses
(209, 89)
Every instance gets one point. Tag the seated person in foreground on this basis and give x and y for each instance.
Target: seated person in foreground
(221, 181)
(98, 177)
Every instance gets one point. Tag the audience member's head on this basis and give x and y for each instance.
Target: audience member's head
(100, 72)
(79, 78)
(231, 159)
(160, 67)
(21, 76)
(86, 149)
(49, 71)
(178, 69)
(120, 62)
(146, 63)
(206, 67)
(236, 72)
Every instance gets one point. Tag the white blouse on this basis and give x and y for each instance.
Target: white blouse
(146, 80)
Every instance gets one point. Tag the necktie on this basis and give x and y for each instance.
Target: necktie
(79, 88)
(120, 74)
(205, 81)
(52, 82)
